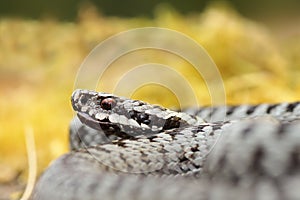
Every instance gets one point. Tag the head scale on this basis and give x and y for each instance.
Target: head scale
(126, 117)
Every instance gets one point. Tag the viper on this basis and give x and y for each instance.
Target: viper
(129, 149)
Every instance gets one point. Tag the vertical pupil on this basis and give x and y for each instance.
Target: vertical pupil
(106, 104)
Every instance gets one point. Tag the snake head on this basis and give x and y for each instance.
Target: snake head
(123, 116)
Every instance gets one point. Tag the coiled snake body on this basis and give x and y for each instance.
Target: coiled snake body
(128, 149)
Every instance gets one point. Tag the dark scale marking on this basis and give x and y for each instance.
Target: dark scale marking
(139, 102)
(172, 133)
(211, 134)
(114, 130)
(132, 113)
(201, 110)
(230, 110)
(220, 165)
(120, 143)
(291, 107)
(222, 161)
(151, 138)
(183, 159)
(139, 117)
(294, 161)
(99, 99)
(201, 127)
(98, 148)
(217, 126)
(212, 111)
(251, 109)
(282, 128)
(271, 107)
(247, 130)
(195, 148)
(143, 118)
(234, 179)
(156, 106)
(257, 158)
(172, 122)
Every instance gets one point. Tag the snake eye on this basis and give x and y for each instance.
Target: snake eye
(108, 103)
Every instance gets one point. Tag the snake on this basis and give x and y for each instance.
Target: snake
(128, 149)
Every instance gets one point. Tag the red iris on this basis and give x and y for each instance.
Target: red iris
(108, 103)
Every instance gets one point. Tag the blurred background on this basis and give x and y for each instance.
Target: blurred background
(255, 44)
(68, 9)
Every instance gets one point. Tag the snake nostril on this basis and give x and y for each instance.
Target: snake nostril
(83, 100)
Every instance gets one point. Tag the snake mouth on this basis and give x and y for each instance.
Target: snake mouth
(89, 121)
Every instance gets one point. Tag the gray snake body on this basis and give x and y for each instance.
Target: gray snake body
(128, 149)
